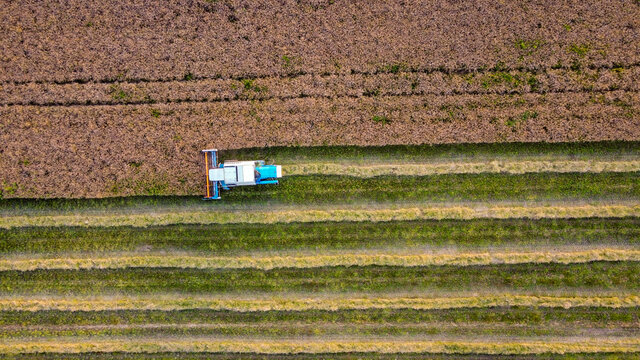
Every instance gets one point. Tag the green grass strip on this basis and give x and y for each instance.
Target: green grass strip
(85, 345)
(119, 261)
(596, 275)
(470, 235)
(291, 303)
(342, 190)
(350, 214)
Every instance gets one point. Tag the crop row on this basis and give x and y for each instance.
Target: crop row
(120, 261)
(379, 214)
(83, 345)
(269, 331)
(327, 237)
(295, 303)
(599, 276)
(333, 86)
(338, 356)
(179, 131)
(515, 321)
(588, 316)
(417, 169)
(514, 315)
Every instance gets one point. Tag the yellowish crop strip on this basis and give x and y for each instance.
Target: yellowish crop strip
(272, 262)
(147, 345)
(495, 166)
(293, 303)
(305, 215)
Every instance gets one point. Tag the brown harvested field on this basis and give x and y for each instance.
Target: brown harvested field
(90, 88)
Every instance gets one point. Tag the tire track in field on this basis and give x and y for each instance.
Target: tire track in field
(391, 95)
(377, 213)
(300, 73)
(295, 303)
(315, 346)
(401, 94)
(314, 261)
(462, 167)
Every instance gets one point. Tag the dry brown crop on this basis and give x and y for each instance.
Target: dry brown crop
(93, 90)
(106, 41)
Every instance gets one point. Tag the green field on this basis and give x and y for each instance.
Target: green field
(450, 262)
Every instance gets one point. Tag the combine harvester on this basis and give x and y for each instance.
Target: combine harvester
(234, 173)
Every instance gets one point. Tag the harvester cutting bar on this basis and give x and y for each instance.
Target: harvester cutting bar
(212, 186)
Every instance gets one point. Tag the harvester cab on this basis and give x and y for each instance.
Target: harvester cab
(234, 173)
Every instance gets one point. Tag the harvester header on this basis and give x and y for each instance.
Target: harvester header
(234, 173)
